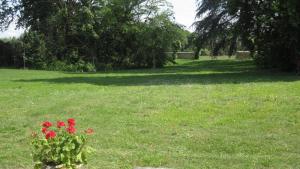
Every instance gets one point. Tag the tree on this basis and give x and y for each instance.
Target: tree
(106, 33)
(269, 29)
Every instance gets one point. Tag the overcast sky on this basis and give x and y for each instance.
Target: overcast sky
(184, 14)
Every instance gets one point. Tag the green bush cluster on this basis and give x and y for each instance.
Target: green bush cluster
(80, 66)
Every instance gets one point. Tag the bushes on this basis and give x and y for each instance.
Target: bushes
(57, 65)
(77, 67)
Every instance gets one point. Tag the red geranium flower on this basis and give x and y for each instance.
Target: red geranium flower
(71, 130)
(89, 131)
(50, 134)
(60, 124)
(47, 124)
(71, 122)
(44, 130)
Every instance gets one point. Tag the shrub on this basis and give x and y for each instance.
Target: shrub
(88, 67)
(60, 145)
(80, 66)
(57, 65)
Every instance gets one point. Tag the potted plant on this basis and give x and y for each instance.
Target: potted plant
(60, 146)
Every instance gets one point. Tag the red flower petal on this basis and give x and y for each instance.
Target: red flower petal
(44, 130)
(47, 124)
(50, 135)
(71, 122)
(60, 124)
(71, 130)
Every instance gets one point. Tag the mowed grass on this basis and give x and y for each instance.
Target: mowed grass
(196, 114)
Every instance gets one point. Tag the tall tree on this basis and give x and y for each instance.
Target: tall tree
(270, 28)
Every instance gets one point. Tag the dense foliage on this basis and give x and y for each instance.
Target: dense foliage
(11, 52)
(269, 29)
(88, 34)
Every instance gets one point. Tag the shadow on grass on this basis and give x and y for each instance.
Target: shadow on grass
(172, 79)
(190, 66)
(203, 72)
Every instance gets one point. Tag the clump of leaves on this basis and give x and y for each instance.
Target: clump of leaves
(60, 145)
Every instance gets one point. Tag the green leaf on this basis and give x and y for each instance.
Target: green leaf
(66, 148)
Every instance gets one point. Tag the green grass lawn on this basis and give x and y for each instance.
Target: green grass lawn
(196, 114)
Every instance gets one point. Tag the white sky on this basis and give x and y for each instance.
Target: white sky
(184, 14)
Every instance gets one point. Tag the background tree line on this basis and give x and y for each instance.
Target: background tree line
(90, 34)
(86, 35)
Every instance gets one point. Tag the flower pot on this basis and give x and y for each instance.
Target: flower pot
(60, 167)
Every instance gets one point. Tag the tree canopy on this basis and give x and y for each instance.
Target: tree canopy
(269, 29)
(102, 33)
